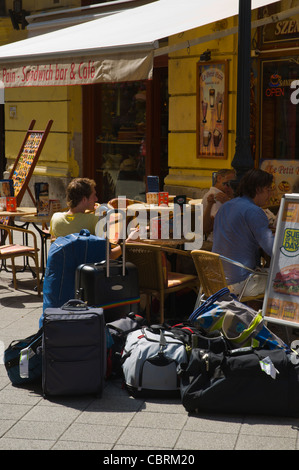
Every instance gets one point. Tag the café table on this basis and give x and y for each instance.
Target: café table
(19, 212)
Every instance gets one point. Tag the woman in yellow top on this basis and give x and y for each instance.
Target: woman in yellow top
(81, 197)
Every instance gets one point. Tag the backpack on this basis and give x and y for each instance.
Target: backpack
(65, 254)
(240, 324)
(149, 362)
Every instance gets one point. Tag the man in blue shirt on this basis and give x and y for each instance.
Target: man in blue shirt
(241, 229)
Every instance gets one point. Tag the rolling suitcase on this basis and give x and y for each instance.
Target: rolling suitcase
(65, 254)
(111, 285)
(74, 352)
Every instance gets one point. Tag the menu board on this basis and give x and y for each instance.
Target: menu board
(281, 303)
(25, 163)
(27, 159)
(285, 174)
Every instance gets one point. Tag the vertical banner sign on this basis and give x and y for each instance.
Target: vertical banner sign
(212, 99)
(281, 303)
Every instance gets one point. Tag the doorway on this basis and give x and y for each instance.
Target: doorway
(125, 135)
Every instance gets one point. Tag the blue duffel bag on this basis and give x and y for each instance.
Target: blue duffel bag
(65, 254)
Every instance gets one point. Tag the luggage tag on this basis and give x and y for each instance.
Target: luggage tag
(25, 355)
(294, 356)
(268, 367)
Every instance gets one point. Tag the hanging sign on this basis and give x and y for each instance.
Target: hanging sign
(281, 303)
(115, 68)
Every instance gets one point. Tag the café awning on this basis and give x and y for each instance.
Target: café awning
(115, 48)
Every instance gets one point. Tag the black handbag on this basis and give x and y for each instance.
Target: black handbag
(12, 357)
(236, 382)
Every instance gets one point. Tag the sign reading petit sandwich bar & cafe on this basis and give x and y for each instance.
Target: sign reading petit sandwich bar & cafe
(281, 303)
(78, 72)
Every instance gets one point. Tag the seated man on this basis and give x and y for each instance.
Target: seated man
(241, 228)
(219, 193)
(81, 199)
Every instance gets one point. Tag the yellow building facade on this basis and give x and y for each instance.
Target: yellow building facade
(64, 155)
(61, 157)
(189, 174)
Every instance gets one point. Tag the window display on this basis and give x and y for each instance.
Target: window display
(279, 115)
(122, 139)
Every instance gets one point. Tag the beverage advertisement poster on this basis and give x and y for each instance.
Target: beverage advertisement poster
(281, 303)
(212, 97)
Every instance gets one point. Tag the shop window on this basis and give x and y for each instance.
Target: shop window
(279, 136)
(122, 140)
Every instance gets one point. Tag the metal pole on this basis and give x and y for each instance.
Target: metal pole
(243, 160)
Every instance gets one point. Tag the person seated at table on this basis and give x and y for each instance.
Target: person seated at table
(81, 199)
(217, 195)
(241, 229)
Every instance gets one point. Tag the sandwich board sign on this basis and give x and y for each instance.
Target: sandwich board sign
(281, 302)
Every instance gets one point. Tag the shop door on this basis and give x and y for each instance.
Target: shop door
(128, 123)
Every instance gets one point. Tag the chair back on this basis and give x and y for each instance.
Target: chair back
(113, 203)
(209, 270)
(149, 261)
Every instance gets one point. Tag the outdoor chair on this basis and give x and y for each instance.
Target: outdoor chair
(13, 250)
(154, 276)
(211, 274)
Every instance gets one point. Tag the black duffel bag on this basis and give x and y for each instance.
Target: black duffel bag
(236, 382)
(12, 359)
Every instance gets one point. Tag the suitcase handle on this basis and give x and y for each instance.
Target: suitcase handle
(74, 304)
(113, 211)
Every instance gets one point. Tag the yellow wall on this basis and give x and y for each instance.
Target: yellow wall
(61, 155)
(8, 34)
(185, 168)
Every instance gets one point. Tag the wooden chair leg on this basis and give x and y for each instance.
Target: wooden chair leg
(35, 259)
(37, 274)
(14, 274)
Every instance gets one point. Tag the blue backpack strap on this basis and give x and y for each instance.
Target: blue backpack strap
(213, 298)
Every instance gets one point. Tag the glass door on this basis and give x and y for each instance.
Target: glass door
(122, 158)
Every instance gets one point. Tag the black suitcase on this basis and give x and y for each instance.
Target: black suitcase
(236, 382)
(112, 285)
(74, 352)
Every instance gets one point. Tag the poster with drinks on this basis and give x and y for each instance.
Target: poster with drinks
(281, 303)
(212, 109)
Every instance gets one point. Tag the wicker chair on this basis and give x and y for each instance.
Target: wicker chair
(154, 277)
(211, 274)
(13, 250)
(113, 203)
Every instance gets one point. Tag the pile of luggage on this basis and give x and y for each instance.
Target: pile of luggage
(222, 359)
